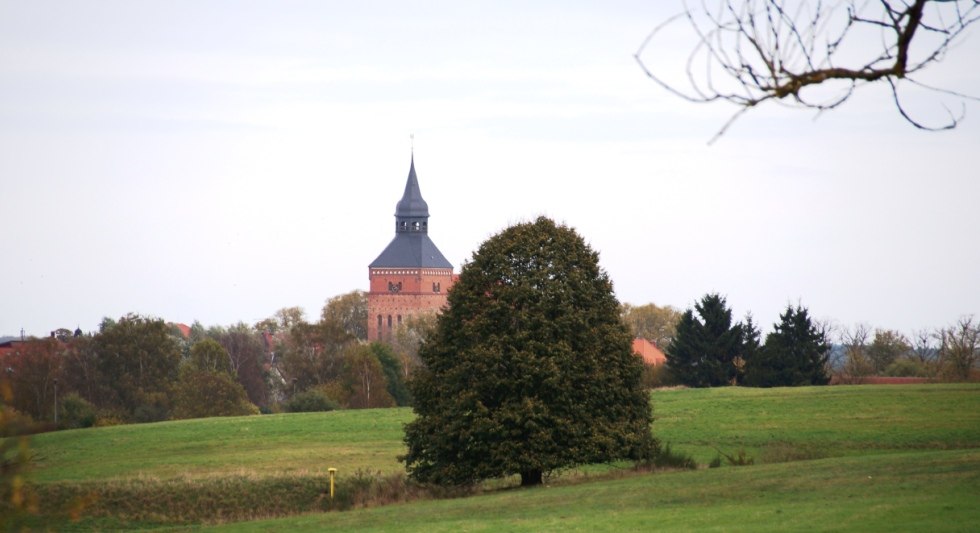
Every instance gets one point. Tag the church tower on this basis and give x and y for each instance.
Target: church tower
(411, 275)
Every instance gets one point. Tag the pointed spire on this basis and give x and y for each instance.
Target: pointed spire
(412, 205)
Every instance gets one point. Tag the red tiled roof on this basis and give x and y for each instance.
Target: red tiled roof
(648, 350)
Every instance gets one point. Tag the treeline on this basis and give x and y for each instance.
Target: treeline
(705, 347)
(142, 369)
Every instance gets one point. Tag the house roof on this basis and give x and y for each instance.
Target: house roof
(649, 351)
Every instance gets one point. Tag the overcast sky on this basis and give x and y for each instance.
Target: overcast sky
(217, 161)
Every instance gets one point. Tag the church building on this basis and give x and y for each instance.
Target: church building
(411, 276)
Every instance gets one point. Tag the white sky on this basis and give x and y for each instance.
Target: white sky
(217, 161)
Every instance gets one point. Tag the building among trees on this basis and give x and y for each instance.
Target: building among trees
(411, 276)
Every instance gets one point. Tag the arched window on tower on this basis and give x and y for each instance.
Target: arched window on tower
(389, 322)
(379, 327)
(416, 226)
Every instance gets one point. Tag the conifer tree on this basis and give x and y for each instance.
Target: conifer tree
(794, 354)
(704, 350)
(529, 368)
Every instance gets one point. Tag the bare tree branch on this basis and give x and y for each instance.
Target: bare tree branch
(753, 51)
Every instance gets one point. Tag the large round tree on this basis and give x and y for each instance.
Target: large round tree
(529, 368)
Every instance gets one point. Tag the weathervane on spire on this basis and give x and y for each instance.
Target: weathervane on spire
(412, 137)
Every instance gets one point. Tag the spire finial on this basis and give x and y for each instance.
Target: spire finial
(412, 137)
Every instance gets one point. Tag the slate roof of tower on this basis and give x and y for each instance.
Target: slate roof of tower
(411, 248)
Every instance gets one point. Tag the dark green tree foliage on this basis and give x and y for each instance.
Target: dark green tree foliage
(208, 355)
(794, 354)
(310, 401)
(704, 350)
(138, 359)
(247, 354)
(363, 379)
(313, 354)
(529, 369)
(207, 385)
(394, 373)
(750, 345)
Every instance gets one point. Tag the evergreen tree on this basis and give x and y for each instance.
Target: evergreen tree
(794, 354)
(703, 352)
(529, 368)
(750, 346)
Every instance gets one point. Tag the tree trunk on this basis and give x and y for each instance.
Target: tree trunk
(529, 478)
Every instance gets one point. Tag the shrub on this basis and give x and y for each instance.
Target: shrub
(108, 417)
(667, 458)
(739, 458)
(657, 376)
(77, 412)
(310, 401)
(202, 393)
(906, 368)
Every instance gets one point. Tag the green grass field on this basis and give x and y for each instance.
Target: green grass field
(856, 457)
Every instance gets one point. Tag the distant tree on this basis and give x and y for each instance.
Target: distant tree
(267, 325)
(750, 346)
(530, 368)
(62, 334)
(290, 317)
(80, 370)
(202, 393)
(33, 371)
(17, 499)
(887, 347)
(310, 401)
(959, 348)
(364, 379)
(651, 322)
(391, 365)
(794, 354)
(207, 386)
(248, 358)
(312, 355)
(210, 356)
(349, 311)
(197, 332)
(704, 350)
(282, 321)
(857, 364)
(813, 55)
(76, 412)
(138, 359)
(922, 347)
(408, 339)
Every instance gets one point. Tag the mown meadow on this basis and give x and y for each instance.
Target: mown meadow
(824, 458)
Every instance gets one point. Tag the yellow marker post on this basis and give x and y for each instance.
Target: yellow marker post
(332, 472)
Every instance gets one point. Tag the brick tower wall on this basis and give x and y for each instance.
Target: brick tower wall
(398, 293)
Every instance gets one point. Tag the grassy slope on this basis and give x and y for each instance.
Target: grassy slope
(256, 445)
(771, 425)
(818, 421)
(921, 491)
